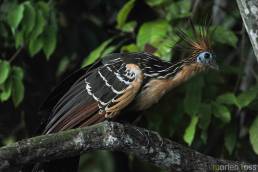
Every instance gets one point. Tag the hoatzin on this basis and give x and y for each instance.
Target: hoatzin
(117, 83)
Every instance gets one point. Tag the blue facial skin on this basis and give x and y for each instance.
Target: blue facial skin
(207, 59)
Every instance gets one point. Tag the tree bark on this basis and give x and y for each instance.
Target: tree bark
(144, 144)
(249, 12)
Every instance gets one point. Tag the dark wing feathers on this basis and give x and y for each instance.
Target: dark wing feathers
(65, 85)
(97, 88)
(107, 74)
(96, 94)
(69, 107)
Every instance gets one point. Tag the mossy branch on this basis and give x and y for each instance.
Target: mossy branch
(144, 144)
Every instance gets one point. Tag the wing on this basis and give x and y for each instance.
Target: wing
(62, 88)
(98, 94)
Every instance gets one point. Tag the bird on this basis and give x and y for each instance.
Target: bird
(122, 82)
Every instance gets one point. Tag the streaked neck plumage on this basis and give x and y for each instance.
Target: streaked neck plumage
(174, 68)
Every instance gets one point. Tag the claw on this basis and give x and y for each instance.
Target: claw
(159, 138)
(147, 138)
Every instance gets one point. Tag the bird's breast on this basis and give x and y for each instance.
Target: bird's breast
(151, 94)
(156, 88)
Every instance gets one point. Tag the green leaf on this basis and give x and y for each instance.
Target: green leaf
(17, 72)
(39, 25)
(227, 98)
(164, 47)
(4, 30)
(29, 19)
(123, 13)
(129, 27)
(4, 71)
(63, 65)
(17, 85)
(220, 111)
(190, 130)
(109, 50)
(7, 90)
(44, 7)
(204, 136)
(193, 96)
(225, 36)
(204, 120)
(130, 48)
(97, 53)
(178, 9)
(204, 116)
(230, 139)
(15, 15)
(175, 120)
(17, 91)
(35, 45)
(152, 33)
(246, 97)
(253, 135)
(153, 3)
(49, 41)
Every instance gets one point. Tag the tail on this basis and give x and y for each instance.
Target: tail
(69, 108)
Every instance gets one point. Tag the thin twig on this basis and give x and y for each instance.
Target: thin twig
(15, 54)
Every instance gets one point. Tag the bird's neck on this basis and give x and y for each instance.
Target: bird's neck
(185, 72)
(173, 69)
(176, 68)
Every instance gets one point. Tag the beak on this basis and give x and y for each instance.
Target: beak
(214, 65)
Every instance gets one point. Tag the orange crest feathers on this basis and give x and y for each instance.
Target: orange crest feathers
(199, 42)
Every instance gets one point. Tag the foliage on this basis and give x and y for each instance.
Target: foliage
(11, 82)
(253, 135)
(123, 13)
(24, 25)
(190, 130)
(211, 112)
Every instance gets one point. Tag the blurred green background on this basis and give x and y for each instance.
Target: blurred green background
(215, 113)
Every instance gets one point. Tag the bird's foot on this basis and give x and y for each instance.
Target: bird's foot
(145, 136)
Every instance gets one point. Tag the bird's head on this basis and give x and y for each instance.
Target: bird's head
(198, 48)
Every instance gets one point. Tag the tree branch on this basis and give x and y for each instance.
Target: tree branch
(144, 144)
(249, 12)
